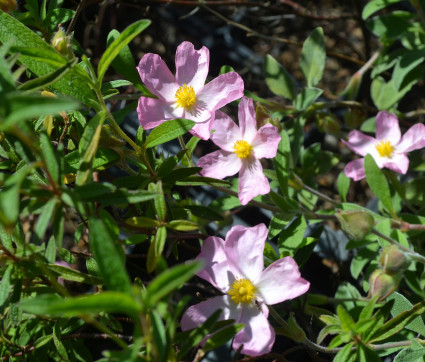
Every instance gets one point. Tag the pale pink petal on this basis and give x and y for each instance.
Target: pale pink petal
(252, 181)
(360, 143)
(192, 65)
(244, 249)
(387, 127)
(281, 281)
(216, 268)
(220, 91)
(202, 130)
(157, 77)
(199, 313)
(266, 141)
(247, 120)
(258, 336)
(413, 139)
(226, 132)
(355, 169)
(398, 163)
(219, 164)
(153, 112)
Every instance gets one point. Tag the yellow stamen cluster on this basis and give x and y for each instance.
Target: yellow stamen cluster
(242, 149)
(385, 149)
(242, 291)
(185, 97)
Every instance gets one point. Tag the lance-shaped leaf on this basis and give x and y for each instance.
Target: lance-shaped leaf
(168, 131)
(313, 57)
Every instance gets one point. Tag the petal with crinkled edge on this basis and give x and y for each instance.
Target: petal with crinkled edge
(398, 163)
(247, 119)
(157, 77)
(202, 130)
(360, 143)
(152, 112)
(216, 269)
(192, 65)
(355, 169)
(219, 164)
(252, 181)
(266, 141)
(281, 281)
(244, 249)
(413, 139)
(258, 336)
(220, 91)
(199, 313)
(387, 127)
(226, 132)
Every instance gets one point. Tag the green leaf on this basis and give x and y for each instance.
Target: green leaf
(168, 131)
(384, 94)
(50, 252)
(183, 225)
(222, 336)
(5, 285)
(108, 255)
(57, 341)
(156, 248)
(20, 107)
(313, 57)
(343, 184)
(49, 157)
(73, 84)
(409, 355)
(375, 5)
(365, 354)
(292, 237)
(347, 322)
(74, 275)
(159, 201)
(391, 26)
(402, 304)
(142, 222)
(405, 65)
(278, 79)
(57, 17)
(169, 280)
(378, 183)
(396, 324)
(107, 302)
(306, 98)
(200, 181)
(345, 354)
(282, 162)
(204, 212)
(44, 219)
(118, 44)
(159, 336)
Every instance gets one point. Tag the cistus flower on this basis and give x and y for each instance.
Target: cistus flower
(235, 267)
(388, 148)
(241, 149)
(186, 95)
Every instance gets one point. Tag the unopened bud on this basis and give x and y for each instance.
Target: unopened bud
(354, 118)
(8, 5)
(353, 86)
(328, 123)
(62, 43)
(382, 284)
(393, 260)
(356, 224)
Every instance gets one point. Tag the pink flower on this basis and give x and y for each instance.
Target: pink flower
(235, 267)
(186, 95)
(241, 149)
(388, 148)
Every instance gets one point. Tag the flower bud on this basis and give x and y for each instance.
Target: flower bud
(382, 284)
(62, 43)
(8, 5)
(393, 260)
(354, 117)
(356, 223)
(353, 86)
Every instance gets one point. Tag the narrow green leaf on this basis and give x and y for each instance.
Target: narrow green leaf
(345, 354)
(118, 44)
(56, 17)
(200, 180)
(74, 275)
(313, 57)
(50, 252)
(373, 6)
(168, 131)
(306, 98)
(105, 250)
(365, 354)
(343, 184)
(159, 201)
(44, 219)
(5, 285)
(142, 222)
(160, 344)
(169, 280)
(282, 162)
(156, 248)
(410, 355)
(107, 302)
(204, 212)
(378, 183)
(49, 157)
(347, 322)
(222, 336)
(292, 237)
(278, 79)
(183, 225)
(57, 341)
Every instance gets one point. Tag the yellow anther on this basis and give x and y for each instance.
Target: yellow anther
(242, 149)
(385, 149)
(185, 97)
(242, 291)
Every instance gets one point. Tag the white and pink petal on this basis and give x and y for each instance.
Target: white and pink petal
(266, 141)
(247, 119)
(355, 169)
(152, 112)
(219, 164)
(413, 139)
(387, 127)
(360, 143)
(226, 132)
(252, 181)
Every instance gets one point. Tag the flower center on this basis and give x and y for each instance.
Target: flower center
(185, 97)
(242, 149)
(385, 149)
(242, 291)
